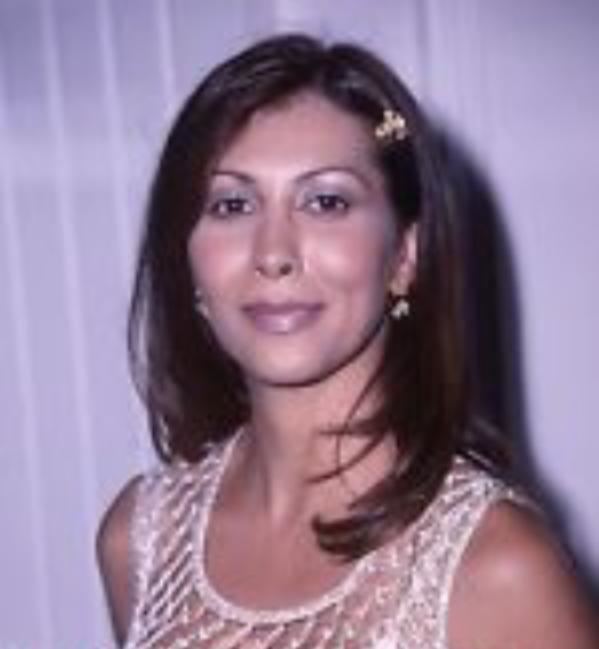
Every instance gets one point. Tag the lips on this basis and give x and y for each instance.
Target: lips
(282, 318)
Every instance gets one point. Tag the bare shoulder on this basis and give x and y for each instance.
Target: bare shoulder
(114, 554)
(516, 588)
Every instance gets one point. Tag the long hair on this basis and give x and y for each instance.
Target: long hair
(195, 394)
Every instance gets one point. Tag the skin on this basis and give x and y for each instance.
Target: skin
(297, 214)
(298, 192)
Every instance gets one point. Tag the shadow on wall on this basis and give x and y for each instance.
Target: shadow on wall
(494, 335)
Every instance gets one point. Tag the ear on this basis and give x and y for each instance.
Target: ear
(405, 264)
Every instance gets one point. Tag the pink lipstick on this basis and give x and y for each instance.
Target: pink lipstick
(282, 318)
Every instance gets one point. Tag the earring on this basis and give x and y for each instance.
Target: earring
(401, 308)
(198, 304)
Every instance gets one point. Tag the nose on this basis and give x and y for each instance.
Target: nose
(276, 249)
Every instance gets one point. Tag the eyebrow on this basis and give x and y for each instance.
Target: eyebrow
(247, 179)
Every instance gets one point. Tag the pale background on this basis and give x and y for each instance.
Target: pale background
(87, 88)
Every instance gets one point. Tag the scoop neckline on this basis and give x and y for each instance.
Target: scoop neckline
(225, 607)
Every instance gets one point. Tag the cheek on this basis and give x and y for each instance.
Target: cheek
(212, 262)
(212, 259)
(358, 264)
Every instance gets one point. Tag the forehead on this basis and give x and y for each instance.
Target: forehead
(305, 130)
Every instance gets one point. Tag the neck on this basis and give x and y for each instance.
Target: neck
(286, 447)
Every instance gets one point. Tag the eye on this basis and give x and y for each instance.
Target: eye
(327, 203)
(229, 206)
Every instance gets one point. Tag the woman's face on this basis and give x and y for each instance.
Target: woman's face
(297, 246)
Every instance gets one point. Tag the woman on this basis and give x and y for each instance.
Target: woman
(295, 334)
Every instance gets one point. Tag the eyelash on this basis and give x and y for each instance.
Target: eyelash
(229, 207)
(327, 203)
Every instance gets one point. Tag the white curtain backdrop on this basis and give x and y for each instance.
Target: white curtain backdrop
(87, 89)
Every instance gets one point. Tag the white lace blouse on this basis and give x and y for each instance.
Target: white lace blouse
(396, 597)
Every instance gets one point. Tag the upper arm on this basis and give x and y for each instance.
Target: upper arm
(515, 589)
(115, 558)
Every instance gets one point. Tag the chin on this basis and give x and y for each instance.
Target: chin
(299, 371)
(288, 376)
(307, 364)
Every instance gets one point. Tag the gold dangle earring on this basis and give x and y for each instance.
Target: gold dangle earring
(401, 308)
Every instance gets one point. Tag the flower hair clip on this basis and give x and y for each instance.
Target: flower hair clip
(392, 127)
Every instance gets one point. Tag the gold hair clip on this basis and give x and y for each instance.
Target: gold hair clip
(393, 126)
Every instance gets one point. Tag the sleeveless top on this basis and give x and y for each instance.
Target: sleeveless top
(396, 597)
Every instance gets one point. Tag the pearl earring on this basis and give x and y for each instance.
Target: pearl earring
(199, 304)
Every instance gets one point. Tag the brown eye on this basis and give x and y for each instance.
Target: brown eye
(327, 203)
(229, 207)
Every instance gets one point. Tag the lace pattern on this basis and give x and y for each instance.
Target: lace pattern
(395, 598)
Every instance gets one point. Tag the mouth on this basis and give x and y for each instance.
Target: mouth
(282, 318)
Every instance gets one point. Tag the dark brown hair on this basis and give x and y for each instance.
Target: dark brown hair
(195, 394)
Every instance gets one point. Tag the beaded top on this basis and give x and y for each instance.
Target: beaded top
(396, 597)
